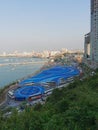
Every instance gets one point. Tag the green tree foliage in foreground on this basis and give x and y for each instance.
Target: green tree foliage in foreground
(71, 108)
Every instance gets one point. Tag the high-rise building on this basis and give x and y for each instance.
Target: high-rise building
(94, 31)
(91, 39)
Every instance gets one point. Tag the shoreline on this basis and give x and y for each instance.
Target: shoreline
(3, 96)
(14, 69)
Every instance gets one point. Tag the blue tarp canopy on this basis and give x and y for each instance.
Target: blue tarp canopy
(52, 74)
(27, 91)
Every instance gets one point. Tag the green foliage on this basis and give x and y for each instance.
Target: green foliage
(38, 107)
(71, 108)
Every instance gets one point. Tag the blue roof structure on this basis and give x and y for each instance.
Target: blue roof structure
(27, 91)
(52, 74)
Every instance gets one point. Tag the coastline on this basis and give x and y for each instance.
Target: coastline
(3, 97)
(3, 91)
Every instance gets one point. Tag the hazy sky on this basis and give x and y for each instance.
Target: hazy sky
(27, 25)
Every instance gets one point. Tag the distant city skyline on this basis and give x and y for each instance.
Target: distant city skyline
(43, 25)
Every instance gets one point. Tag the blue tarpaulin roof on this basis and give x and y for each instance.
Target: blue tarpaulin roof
(52, 74)
(27, 91)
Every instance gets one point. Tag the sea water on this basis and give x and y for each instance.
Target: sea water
(16, 68)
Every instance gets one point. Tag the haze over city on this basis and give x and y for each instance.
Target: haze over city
(27, 25)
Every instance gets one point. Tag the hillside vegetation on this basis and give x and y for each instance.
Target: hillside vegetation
(72, 108)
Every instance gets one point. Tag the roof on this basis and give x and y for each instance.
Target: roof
(27, 91)
(52, 74)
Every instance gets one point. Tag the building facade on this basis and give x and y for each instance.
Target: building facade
(91, 39)
(87, 46)
(94, 31)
